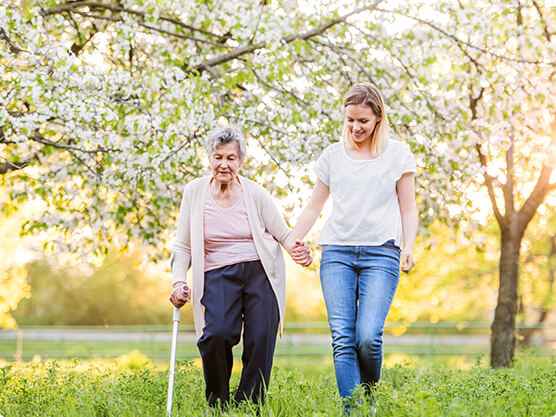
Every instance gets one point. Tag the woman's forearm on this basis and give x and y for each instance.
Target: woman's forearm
(410, 224)
(305, 222)
(311, 212)
(408, 210)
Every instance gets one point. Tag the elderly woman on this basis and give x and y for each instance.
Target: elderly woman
(230, 232)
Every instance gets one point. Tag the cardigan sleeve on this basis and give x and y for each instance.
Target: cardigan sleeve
(180, 260)
(272, 218)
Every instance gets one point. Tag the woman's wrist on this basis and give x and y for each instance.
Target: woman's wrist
(289, 242)
(178, 284)
(407, 248)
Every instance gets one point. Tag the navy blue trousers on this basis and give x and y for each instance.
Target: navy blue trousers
(233, 296)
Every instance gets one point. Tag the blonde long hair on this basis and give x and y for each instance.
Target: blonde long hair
(368, 94)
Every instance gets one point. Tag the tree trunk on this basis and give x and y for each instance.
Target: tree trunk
(503, 337)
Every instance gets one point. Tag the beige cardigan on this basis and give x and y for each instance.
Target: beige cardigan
(267, 226)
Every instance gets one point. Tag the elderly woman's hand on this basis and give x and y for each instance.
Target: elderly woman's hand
(301, 253)
(180, 295)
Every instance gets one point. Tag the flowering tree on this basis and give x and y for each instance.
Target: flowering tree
(104, 105)
(495, 87)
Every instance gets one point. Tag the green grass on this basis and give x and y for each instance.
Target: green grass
(158, 350)
(133, 386)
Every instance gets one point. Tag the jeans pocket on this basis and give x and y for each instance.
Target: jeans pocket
(391, 244)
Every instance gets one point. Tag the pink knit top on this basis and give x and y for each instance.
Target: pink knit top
(228, 238)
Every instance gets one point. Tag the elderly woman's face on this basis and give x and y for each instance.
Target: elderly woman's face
(225, 162)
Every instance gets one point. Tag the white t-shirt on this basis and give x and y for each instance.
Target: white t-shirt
(365, 209)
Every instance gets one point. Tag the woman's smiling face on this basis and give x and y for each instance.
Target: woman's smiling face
(360, 122)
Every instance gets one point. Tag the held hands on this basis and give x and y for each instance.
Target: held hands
(180, 295)
(301, 253)
(406, 260)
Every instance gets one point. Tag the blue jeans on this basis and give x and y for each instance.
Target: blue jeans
(358, 283)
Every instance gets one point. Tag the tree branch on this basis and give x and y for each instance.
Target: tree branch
(9, 166)
(508, 187)
(118, 9)
(474, 101)
(256, 29)
(37, 137)
(153, 28)
(535, 199)
(547, 33)
(490, 186)
(242, 50)
(268, 152)
(285, 91)
(462, 42)
(174, 152)
(489, 180)
(76, 48)
(339, 51)
(82, 162)
(14, 49)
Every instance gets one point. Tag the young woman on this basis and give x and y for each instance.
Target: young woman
(370, 232)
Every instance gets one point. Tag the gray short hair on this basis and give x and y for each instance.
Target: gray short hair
(224, 135)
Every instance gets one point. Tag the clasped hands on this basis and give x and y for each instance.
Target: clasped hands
(300, 253)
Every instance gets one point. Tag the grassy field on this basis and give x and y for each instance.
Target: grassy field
(158, 350)
(133, 386)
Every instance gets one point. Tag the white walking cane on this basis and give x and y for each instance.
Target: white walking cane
(171, 372)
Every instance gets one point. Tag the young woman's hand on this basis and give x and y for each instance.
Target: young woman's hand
(301, 254)
(406, 260)
(180, 296)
